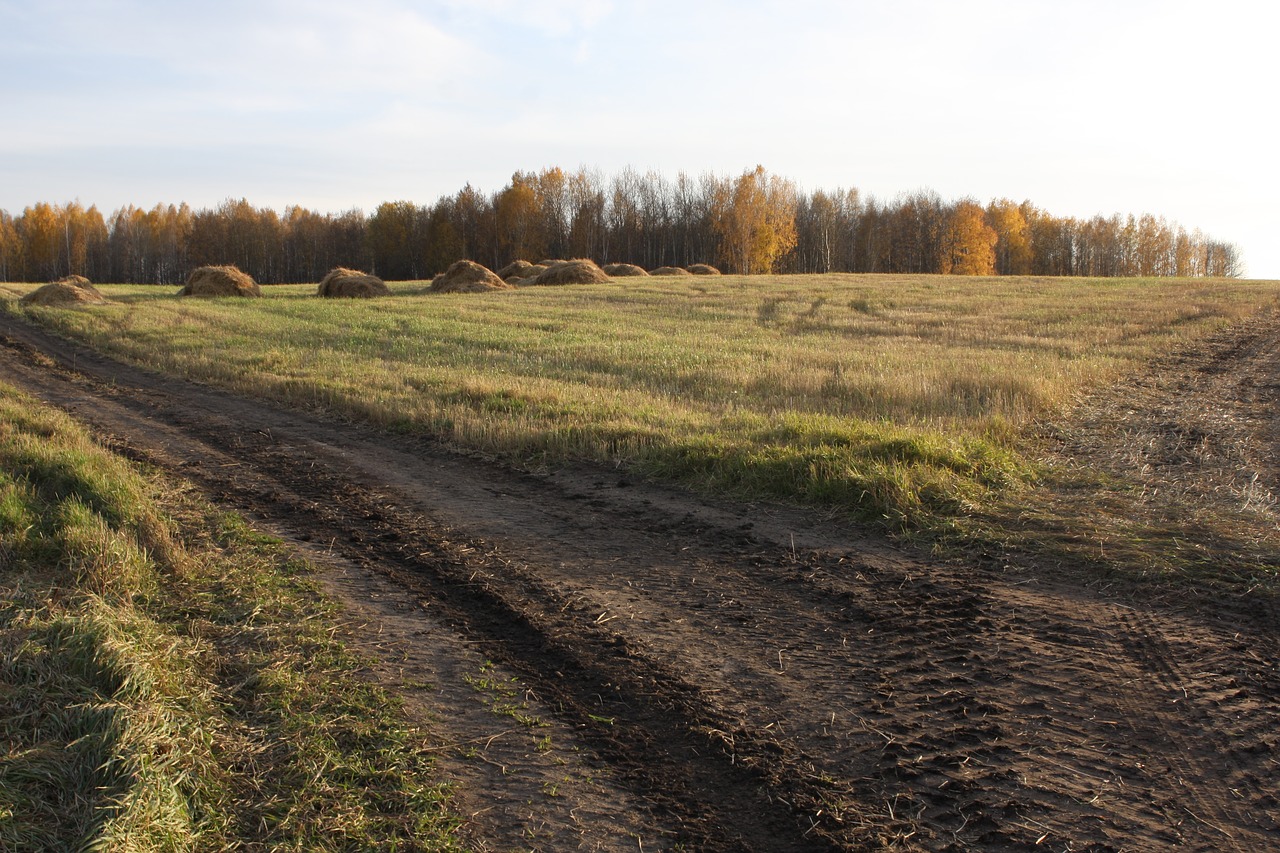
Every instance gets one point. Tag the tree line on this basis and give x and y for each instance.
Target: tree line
(756, 222)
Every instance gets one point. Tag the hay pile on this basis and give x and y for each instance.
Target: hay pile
(579, 271)
(703, 269)
(353, 284)
(467, 277)
(670, 271)
(623, 270)
(515, 269)
(63, 292)
(78, 281)
(529, 275)
(220, 281)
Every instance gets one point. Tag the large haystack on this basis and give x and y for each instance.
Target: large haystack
(623, 270)
(579, 271)
(703, 269)
(515, 269)
(352, 284)
(220, 281)
(62, 293)
(467, 277)
(670, 271)
(78, 281)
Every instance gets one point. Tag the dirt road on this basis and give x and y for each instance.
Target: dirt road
(617, 666)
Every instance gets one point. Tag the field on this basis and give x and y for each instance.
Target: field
(168, 679)
(953, 551)
(883, 397)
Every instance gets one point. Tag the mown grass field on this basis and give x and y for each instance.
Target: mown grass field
(169, 680)
(891, 398)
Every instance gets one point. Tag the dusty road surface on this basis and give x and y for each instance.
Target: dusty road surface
(609, 665)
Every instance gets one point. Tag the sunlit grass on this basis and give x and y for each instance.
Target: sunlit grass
(170, 681)
(889, 397)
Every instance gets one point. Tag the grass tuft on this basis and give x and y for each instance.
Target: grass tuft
(178, 685)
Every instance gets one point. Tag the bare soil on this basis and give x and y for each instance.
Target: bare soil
(612, 665)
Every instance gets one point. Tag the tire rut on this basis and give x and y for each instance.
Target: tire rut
(647, 723)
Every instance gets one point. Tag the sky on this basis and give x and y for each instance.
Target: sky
(1084, 108)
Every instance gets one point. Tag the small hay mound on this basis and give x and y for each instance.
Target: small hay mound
(703, 269)
(551, 262)
(467, 277)
(515, 269)
(529, 275)
(352, 284)
(220, 281)
(63, 293)
(579, 271)
(670, 271)
(623, 270)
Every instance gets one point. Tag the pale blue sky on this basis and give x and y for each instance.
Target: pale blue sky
(1087, 107)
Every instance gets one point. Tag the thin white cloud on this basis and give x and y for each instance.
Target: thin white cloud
(282, 47)
(552, 18)
(374, 48)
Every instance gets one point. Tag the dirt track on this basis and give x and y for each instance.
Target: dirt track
(718, 676)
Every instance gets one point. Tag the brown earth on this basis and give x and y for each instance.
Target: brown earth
(612, 665)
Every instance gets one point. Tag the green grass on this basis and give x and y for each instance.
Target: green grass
(894, 398)
(170, 681)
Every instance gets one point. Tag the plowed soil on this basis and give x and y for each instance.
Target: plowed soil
(612, 665)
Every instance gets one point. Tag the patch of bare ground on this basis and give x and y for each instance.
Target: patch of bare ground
(1172, 475)
(522, 780)
(716, 676)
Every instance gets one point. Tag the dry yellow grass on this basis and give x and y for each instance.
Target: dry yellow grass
(220, 281)
(624, 270)
(467, 277)
(515, 269)
(881, 395)
(578, 271)
(64, 293)
(341, 282)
